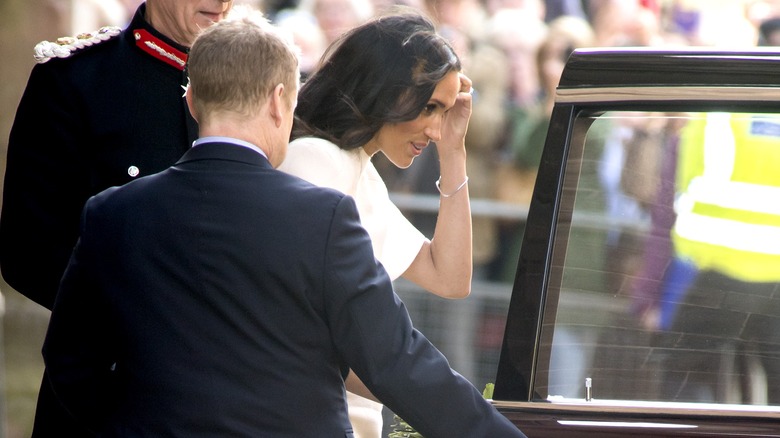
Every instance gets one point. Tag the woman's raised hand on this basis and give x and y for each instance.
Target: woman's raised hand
(456, 120)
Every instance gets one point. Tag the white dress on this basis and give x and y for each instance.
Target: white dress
(395, 240)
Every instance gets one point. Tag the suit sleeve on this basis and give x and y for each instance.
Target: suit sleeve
(77, 349)
(45, 187)
(374, 334)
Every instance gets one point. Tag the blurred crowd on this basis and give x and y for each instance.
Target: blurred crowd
(514, 51)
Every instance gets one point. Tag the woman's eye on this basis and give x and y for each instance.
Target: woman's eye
(430, 108)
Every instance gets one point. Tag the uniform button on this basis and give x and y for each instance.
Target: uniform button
(133, 171)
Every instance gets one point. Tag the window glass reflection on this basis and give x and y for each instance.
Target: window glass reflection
(668, 258)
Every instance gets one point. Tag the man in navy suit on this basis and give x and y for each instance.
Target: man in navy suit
(222, 297)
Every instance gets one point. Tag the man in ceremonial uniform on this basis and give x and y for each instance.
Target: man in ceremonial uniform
(100, 109)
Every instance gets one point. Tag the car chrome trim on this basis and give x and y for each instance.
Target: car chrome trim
(646, 408)
(631, 424)
(692, 93)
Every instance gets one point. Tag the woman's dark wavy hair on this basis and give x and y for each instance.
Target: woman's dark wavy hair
(383, 71)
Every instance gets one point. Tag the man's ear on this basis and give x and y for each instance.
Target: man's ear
(277, 105)
(188, 98)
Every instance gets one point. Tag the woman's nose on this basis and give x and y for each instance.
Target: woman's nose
(433, 130)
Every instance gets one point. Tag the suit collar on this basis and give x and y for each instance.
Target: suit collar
(239, 142)
(224, 151)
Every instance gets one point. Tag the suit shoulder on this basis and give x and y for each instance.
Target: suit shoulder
(68, 46)
(303, 196)
(307, 188)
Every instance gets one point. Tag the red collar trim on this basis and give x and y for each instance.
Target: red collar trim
(160, 49)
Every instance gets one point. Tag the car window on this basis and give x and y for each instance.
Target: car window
(665, 261)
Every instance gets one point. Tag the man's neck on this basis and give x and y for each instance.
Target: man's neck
(165, 26)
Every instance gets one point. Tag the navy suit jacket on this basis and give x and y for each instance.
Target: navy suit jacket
(222, 297)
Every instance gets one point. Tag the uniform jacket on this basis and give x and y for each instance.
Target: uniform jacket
(104, 115)
(223, 297)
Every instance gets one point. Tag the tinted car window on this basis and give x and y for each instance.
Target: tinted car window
(664, 264)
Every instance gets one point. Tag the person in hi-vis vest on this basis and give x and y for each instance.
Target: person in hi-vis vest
(723, 284)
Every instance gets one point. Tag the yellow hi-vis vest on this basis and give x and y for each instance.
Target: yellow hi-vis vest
(728, 212)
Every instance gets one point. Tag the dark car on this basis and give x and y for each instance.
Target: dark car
(646, 301)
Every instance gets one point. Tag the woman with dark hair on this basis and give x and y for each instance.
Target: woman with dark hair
(391, 85)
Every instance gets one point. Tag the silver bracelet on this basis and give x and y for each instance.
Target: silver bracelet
(463, 184)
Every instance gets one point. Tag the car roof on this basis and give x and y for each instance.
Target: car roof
(683, 66)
